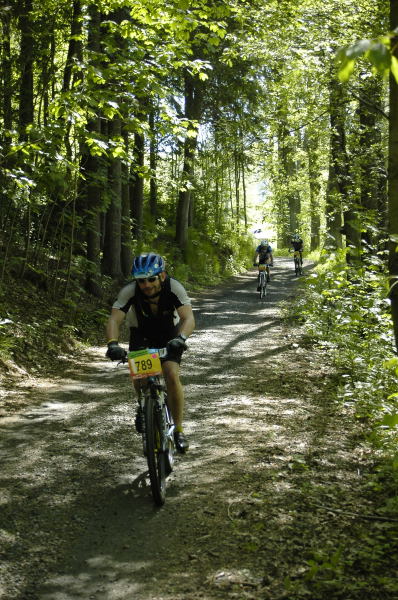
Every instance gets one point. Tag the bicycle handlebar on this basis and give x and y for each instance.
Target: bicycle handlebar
(162, 353)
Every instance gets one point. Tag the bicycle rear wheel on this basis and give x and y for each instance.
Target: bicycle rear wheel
(263, 285)
(155, 455)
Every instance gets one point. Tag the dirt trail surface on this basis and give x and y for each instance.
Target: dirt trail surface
(269, 483)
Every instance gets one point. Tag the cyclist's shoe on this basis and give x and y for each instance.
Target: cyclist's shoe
(140, 420)
(181, 442)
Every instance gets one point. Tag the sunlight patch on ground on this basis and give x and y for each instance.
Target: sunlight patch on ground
(106, 586)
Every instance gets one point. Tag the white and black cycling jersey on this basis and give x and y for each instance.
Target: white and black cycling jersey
(157, 328)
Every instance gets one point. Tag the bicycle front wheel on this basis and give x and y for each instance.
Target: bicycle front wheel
(155, 455)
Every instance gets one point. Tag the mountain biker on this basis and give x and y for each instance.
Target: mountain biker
(159, 314)
(297, 245)
(263, 255)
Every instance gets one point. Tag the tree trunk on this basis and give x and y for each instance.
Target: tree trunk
(6, 75)
(334, 217)
(244, 193)
(26, 58)
(94, 174)
(193, 107)
(393, 178)
(6, 71)
(137, 186)
(352, 223)
(75, 54)
(153, 192)
(75, 44)
(289, 200)
(372, 171)
(311, 145)
(91, 169)
(237, 186)
(337, 181)
(111, 263)
(126, 250)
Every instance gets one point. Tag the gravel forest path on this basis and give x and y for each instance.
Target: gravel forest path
(255, 510)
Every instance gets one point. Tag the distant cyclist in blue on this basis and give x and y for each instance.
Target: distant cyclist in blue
(263, 256)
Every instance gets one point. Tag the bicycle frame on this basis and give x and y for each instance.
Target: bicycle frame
(262, 279)
(297, 262)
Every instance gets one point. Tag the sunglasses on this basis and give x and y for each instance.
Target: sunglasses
(150, 279)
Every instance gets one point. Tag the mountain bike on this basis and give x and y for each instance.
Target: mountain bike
(262, 280)
(158, 427)
(298, 269)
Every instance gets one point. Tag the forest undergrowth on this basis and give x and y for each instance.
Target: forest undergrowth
(346, 313)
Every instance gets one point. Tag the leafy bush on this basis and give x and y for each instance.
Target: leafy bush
(345, 311)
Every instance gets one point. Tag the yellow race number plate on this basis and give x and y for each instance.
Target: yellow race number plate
(143, 363)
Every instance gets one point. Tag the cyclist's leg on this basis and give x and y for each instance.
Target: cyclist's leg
(175, 390)
(176, 400)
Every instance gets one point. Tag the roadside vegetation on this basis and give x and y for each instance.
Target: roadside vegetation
(345, 315)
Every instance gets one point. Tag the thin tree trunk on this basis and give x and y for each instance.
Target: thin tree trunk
(93, 171)
(126, 249)
(26, 58)
(193, 107)
(6, 71)
(153, 191)
(237, 186)
(372, 179)
(75, 53)
(311, 145)
(393, 178)
(111, 263)
(337, 181)
(334, 218)
(244, 190)
(75, 44)
(137, 186)
(5, 161)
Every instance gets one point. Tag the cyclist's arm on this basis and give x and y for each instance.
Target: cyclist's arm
(113, 325)
(186, 324)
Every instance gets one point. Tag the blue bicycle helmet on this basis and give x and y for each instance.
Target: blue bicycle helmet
(147, 265)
